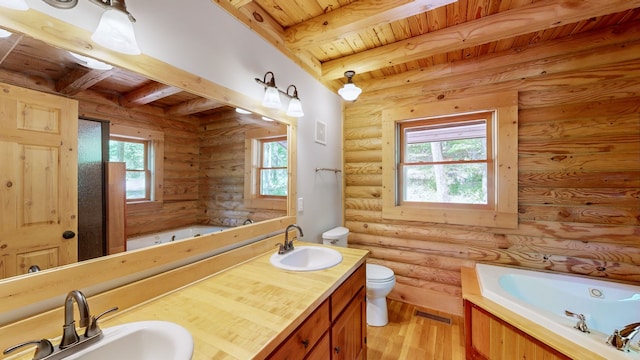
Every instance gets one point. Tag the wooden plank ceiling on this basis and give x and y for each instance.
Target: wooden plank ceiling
(395, 41)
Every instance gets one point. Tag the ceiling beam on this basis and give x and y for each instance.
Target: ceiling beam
(527, 19)
(194, 106)
(79, 79)
(147, 94)
(358, 15)
(538, 52)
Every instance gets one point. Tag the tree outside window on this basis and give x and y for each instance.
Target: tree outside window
(446, 160)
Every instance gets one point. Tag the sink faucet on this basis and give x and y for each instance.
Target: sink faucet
(70, 342)
(288, 244)
(69, 334)
(620, 339)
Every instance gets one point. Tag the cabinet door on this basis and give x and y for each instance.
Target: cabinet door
(38, 179)
(349, 331)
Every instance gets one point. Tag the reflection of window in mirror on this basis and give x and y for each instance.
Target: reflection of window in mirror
(266, 170)
(272, 175)
(142, 151)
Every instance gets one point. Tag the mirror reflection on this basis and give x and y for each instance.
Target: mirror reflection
(152, 160)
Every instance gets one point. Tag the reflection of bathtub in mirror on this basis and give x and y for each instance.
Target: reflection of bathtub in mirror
(142, 241)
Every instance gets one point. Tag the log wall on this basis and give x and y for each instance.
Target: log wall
(203, 166)
(578, 171)
(222, 171)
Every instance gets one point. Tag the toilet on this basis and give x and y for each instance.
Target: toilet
(380, 280)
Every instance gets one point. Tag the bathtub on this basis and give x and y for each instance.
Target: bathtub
(543, 298)
(139, 242)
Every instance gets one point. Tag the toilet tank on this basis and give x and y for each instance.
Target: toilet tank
(336, 236)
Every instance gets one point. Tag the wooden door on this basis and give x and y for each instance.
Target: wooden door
(38, 180)
(349, 331)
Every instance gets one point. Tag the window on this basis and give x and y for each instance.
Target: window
(452, 162)
(135, 155)
(446, 160)
(273, 179)
(266, 182)
(142, 152)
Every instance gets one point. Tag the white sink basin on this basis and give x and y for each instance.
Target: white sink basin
(142, 340)
(307, 258)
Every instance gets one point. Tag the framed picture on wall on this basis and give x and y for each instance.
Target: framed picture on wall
(321, 132)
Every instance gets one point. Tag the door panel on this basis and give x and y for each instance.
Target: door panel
(38, 179)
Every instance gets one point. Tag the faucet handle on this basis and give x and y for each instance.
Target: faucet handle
(44, 348)
(582, 321)
(93, 329)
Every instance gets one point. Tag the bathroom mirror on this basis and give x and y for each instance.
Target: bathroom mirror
(202, 183)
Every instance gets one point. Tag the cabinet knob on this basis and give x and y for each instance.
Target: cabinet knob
(337, 349)
(68, 234)
(305, 343)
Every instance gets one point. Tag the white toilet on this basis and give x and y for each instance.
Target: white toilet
(380, 280)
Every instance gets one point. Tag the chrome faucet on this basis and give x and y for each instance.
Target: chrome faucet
(621, 339)
(288, 244)
(70, 342)
(69, 334)
(582, 321)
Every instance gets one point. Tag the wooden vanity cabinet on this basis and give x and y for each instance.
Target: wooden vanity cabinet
(349, 318)
(337, 329)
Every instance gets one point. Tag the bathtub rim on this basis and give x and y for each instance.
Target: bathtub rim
(471, 293)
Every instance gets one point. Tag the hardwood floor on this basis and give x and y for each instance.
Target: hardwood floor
(410, 336)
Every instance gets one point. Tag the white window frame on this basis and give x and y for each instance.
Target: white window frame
(503, 212)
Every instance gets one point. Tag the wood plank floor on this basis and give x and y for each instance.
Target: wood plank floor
(410, 336)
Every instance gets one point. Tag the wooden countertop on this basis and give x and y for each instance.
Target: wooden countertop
(245, 311)
(471, 292)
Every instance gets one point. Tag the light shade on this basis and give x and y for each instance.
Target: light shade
(15, 4)
(349, 91)
(271, 97)
(295, 108)
(4, 33)
(115, 32)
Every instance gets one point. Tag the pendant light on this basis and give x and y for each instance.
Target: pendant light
(349, 91)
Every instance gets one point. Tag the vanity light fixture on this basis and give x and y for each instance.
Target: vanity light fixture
(295, 106)
(349, 91)
(271, 97)
(115, 29)
(15, 4)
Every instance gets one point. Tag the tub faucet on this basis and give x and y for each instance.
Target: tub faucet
(248, 221)
(621, 339)
(582, 321)
(69, 334)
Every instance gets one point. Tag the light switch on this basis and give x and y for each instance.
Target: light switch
(300, 204)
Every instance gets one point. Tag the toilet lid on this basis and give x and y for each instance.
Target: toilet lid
(379, 273)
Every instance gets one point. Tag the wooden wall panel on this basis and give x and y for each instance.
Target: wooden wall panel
(181, 165)
(222, 166)
(579, 171)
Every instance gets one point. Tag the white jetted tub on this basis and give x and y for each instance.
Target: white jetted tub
(544, 297)
(139, 242)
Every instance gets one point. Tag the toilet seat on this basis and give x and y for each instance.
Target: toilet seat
(379, 274)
